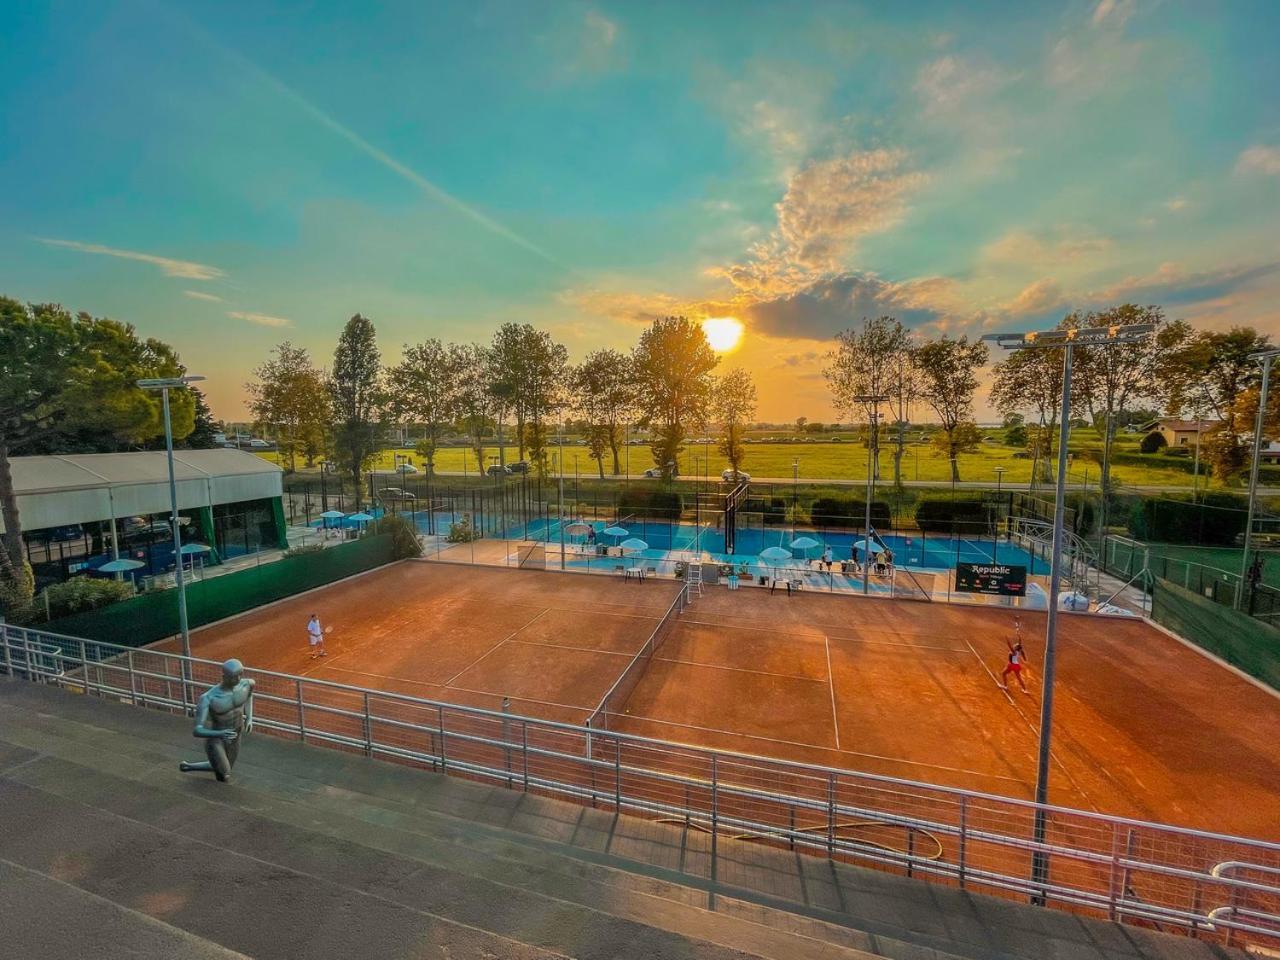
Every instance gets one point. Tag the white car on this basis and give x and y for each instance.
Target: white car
(728, 476)
(653, 473)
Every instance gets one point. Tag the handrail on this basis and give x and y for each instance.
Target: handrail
(785, 766)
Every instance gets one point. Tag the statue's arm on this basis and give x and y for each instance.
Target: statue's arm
(248, 708)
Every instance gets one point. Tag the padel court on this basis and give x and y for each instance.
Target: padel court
(1145, 726)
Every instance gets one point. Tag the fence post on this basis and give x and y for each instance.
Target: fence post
(831, 814)
(368, 728)
(617, 775)
(4, 642)
(964, 836)
(524, 730)
(133, 689)
(715, 816)
(440, 721)
(302, 719)
(1113, 881)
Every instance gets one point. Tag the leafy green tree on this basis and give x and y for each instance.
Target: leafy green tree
(673, 364)
(474, 404)
(355, 391)
(733, 404)
(541, 389)
(70, 382)
(203, 425)
(876, 361)
(948, 370)
(423, 388)
(604, 391)
(290, 399)
(1031, 380)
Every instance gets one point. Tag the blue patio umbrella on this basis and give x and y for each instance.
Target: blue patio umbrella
(192, 548)
(775, 557)
(804, 544)
(332, 515)
(615, 531)
(360, 517)
(120, 566)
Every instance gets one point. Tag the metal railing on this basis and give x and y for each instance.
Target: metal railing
(1128, 870)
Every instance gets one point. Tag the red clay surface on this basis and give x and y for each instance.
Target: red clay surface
(1145, 726)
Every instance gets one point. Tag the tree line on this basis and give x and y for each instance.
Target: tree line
(520, 380)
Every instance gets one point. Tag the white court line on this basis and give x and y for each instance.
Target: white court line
(831, 685)
(494, 647)
(721, 666)
(814, 746)
(980, 550)
(483, 693)
(982, 663)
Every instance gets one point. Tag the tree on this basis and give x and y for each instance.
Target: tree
(68, 380)
(474, 402)
(800, 424)
(605, 391)
(733, 404)
(541, 390)
(876, 361)
(1208, 374)
(203, 425)
(1108, 379)
(355, 390)
(1031, 380)
(948, 381)
(1154, 441)
(673, 364)
(964, 437)
(290, 398)
(422, 389)
(507, 358)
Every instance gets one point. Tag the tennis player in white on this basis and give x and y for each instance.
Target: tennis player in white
(315, 636)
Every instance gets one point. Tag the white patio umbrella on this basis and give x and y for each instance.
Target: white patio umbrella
(332, 515)
(615, 531)
(120, 566)
(775, 557)
(577, 529)
(632, 545)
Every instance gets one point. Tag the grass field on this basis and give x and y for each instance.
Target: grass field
(826, 459)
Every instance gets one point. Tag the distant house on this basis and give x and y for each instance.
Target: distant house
(1182, 433)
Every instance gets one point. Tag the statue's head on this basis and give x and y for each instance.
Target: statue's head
(232, 672)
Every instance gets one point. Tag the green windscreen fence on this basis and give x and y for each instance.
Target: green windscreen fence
(154, 616)
(1237, 638)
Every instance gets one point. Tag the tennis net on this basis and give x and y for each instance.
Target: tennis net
(615, 700)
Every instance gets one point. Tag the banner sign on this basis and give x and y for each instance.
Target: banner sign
(996, 579)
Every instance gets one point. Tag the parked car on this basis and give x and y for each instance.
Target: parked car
(498, 470)
(406, 468)
(653, 473)
(519, 466)
(395, 494)
(740, 476)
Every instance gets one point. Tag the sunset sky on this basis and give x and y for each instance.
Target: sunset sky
(229, 174)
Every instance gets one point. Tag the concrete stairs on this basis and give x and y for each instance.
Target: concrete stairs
(106, 850)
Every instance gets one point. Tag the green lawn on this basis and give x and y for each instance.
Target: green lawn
(847, 460)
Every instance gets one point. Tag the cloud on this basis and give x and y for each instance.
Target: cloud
(1176, 204)
(950, 81)
(1048, 248)
(259, 319)
(1112, 13)
(198, 295)
(1259, 159)
(1171, 284)
(598, 29)
(1090, 58)
(828, 206)
(1037, 297)
(186, 269)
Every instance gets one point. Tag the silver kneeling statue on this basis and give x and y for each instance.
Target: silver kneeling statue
(224, 713)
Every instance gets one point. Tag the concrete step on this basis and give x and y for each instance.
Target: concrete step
(44, 791)
(647, 872)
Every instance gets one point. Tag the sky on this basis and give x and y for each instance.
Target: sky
(226, 175)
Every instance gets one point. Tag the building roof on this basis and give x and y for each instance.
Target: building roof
(1179, 426)
(77, 488)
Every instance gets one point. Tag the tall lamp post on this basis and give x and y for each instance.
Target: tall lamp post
(164, 385)
(995, 537)
(875, 399)
(1066, 341)
(1265, 358)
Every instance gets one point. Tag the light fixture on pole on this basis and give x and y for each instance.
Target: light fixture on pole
(875, 399)
(164, 385)
(1067, 341)
(995, 536)
(1265, 358)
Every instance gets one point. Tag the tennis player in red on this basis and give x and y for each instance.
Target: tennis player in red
(1017, 657)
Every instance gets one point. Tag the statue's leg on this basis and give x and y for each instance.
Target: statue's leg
(232, 748)
(216, 748)
(195, 766)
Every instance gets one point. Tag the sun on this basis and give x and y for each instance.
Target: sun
(723, 333)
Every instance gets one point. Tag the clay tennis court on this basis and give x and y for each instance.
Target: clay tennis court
(1145, 725)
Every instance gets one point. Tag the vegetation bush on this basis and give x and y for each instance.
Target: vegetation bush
(849, 512)
(1152, 442)
(303, 550)
(1016, 436)
(952, 516)
(1177, 452)
(462, 531)
(1218, 519)
(404, 536)
(77, 595)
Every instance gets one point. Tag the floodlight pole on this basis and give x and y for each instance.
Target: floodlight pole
(875, 399)
(1266, 358)
(163, 385)
(1066, 340)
